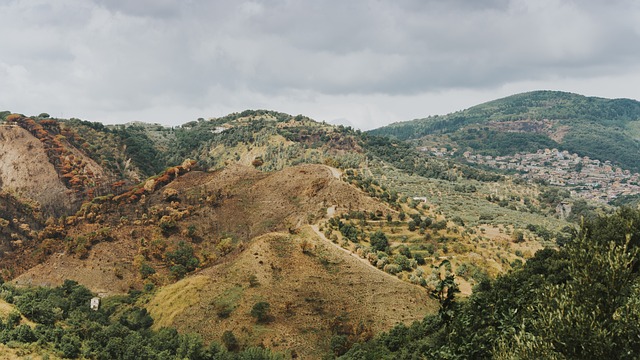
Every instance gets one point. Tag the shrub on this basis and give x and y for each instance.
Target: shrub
(183, 257)
(230, 341)
(339, 344)
(167, 224)
(379, 241)
(146, 270)
(392, 268)
(404, 250)
(260, 311)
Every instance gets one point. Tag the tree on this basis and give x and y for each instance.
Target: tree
(593, 315)
(183, 260)
(517, 236)
(379, 241)
(445, 292)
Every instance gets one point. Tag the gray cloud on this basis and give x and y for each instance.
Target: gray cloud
(117, 58)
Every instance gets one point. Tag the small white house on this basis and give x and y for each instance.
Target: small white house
(95, 303)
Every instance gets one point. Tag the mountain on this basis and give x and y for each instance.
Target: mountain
(259, 229)
(603, 129)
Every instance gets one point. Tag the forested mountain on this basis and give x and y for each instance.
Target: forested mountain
(603, 129)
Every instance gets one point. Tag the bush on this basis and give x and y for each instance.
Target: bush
(260, 311)
(230, 341)
(339, 344)
(379, 241)
(146, 270)
(183, 259)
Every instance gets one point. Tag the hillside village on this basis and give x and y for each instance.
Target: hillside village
(588, 178)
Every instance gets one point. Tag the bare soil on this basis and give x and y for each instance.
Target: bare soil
(25, 169)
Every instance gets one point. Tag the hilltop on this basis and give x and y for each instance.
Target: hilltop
(603, 129)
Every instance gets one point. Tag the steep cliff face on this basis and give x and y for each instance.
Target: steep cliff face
(25, 170)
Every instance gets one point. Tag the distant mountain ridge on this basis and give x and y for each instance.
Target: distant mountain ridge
(604, 129)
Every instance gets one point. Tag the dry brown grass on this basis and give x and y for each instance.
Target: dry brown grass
(308, 294)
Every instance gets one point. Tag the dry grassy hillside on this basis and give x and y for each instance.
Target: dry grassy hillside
(216, 214)
(313, 296)
(248, 234)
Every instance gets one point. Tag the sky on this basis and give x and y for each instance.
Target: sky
(358, 62)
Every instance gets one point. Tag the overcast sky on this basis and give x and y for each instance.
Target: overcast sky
(364, 63)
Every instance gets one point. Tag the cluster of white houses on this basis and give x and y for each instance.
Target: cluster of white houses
(585, 177)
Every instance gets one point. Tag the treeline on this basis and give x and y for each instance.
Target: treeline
(66, 326)
(581, 301)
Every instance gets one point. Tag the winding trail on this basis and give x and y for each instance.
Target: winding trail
(335, 172)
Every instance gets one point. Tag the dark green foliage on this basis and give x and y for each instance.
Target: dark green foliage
(350, 232)
(182, 260)
(146, 270)
(46, 305)
(496, 143)
(579, 302)
(140, 148)
(260, 311)
(439, 225)
(404, 250)
(379, 241)
(118, 330)
(405, 157)
(339, 344)
(136, 319)
(230, 341)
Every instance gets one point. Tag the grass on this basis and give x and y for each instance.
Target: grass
(228, 301)
(173, 299)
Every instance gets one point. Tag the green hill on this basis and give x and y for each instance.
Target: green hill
(603, 129)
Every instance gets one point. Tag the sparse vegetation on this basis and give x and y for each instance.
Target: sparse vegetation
(435, 222)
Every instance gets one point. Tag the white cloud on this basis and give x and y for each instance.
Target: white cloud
(366, 62)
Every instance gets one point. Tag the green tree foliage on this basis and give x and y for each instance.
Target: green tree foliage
(379, 241)
(260, 311)
(140, 148)
(118, 330)
(405, 157)
(598, 128)
(182, 260)
(578, 302)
